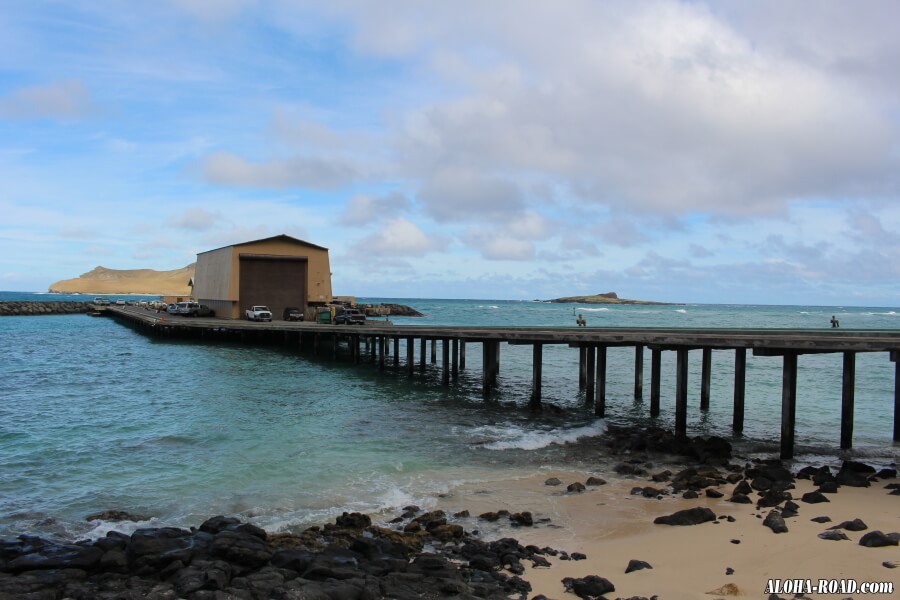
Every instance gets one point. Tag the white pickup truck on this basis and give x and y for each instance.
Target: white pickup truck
(258, 313)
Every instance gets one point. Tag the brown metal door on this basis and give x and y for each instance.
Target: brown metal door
(275, 281)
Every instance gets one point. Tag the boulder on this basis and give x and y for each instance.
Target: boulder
(775, 522)
(637, 565)
(877, 539)
(854, 525)
(690, 516)
(591, 586)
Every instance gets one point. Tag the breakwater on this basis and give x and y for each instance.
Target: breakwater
(12, 309)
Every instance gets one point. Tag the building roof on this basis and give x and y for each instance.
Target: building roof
(282, 237)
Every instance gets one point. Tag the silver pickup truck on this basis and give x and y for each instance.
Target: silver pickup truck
(258, 313)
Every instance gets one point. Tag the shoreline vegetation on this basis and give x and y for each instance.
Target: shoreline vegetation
(605, 298)
(676, 518)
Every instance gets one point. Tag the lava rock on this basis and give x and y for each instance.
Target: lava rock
(575, 488)
(833, 535)
(637, 565)
(854, 525)
(775, 522)
(814, 497)
(877, 539)
(591, 586)
(690, 516)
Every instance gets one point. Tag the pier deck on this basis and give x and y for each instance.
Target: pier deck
(591, 342)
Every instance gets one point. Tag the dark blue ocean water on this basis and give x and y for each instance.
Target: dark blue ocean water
(96, 416)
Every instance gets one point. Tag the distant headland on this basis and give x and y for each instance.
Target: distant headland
(135, 281)
(607, 298)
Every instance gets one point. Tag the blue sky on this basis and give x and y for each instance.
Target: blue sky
(725, 152)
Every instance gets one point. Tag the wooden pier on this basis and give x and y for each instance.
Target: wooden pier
(592, 345)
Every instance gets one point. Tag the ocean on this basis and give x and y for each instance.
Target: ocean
(95, 416)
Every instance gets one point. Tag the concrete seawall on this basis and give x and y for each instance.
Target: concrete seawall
(12, 309)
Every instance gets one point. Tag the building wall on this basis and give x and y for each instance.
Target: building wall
(217, 279)
(213, 276)
(318, 282)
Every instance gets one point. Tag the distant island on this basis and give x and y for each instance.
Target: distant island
(135, 281)
(607, 298)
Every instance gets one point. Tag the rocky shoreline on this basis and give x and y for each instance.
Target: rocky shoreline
(11, 309)
(430, 554)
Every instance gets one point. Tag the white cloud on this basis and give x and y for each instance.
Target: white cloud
(363, 210)
(196, 218)
(454, 194)
(400, 237)
(224, 168)
(58, 100)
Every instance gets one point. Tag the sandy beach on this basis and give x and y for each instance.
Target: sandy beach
(611, 527)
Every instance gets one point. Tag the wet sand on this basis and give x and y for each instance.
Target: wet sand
(611, 527)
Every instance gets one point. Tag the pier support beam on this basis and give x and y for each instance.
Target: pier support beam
(638, 372)
(334, 346)
(788, 405)
(681, 385)
(895, 356)
(433, 351)
(705, 376)
(382, 347)
(600, 392)
(655, 367)
(740, 378)
(537, 358)
(462, 355)
(454, 358)
(589, 368)
(396, 351)
(316, 344)
(582, 366)
(847, 390)
(445, 362)
(410, 355)
(422, 350)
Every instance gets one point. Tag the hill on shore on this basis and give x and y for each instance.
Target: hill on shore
(606, 298)
(134, 281)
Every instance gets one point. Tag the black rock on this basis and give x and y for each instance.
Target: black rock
(710, 492)
(821, 519)
(637, 565)
(814, 497)
(740, 499)
(852, 478)
(690, 516)
(854, 525)
(522, 519)
(775, 522)
(690, 495)
(833, 535)
(578, 556)
(743, 488)
(553, 481)
(887, 473)
(591, 586)
(353, 521)
(575, 488)
(889, 565)
(877, 539)
(595, 481)
(241, 548)
(829, 487)
(857, 467)
(57, 556)
(735, 541)
(729, 571)
(791, 509)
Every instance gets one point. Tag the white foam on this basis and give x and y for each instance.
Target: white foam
(491, 306)
(594, 309)
(516, 438)
(681, 310)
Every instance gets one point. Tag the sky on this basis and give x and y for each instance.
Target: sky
(708, 152)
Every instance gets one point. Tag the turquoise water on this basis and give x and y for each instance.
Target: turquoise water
(95, 416)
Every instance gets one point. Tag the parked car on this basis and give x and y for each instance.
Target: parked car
(186, 308)
(202, 310)
(120, 302)
(349, 316)
(258, 313)
(172, 309)
(292, 313)
(98, 301)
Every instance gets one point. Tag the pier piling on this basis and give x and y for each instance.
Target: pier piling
(681, 386)
(705, 376)
(788, 404)
(847, 393)
(740, 370)
(600, 392)
(537, 357)
(655, 367)
(638, 373)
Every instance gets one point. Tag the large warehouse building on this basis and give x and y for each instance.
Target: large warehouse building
(278, 272)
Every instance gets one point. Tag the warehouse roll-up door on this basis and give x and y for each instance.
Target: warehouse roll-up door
(275, 281)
